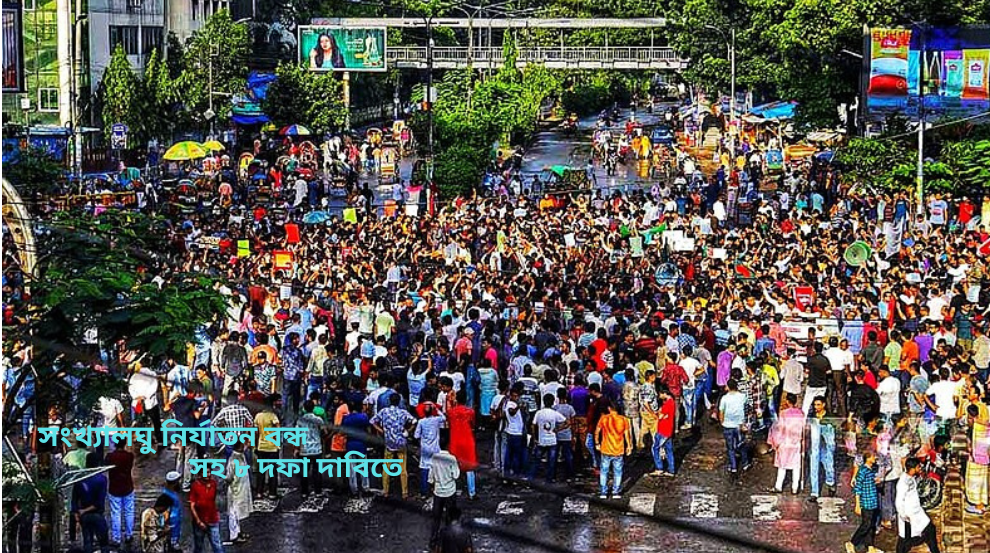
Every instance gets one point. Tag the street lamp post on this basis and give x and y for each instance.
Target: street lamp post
(730, 43)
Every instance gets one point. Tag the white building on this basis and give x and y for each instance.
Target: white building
(138, 25)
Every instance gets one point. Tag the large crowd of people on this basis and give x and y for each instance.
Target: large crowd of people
(571, 331)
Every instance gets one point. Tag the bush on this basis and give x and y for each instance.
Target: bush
(458, 169)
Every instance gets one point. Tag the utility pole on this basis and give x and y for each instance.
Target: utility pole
(732, 98)
(921, 121)
(429, 97)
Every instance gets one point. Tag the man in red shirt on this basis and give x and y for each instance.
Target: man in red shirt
(674, 377)
(663, 442)
(121, 492)
(206, 517)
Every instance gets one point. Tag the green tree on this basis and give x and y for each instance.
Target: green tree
(305, 97)
(215, 59)
(121, 93)
(35, 172)
(160, 99)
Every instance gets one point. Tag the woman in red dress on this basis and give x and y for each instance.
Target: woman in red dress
(461, 419)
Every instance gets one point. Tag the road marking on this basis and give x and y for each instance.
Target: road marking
(643, 503)
(704, 505)
(830, 510)
(765, 507)
(265, 505)
(510, 508)
(358, 505)
(313, 504)
(575, 505)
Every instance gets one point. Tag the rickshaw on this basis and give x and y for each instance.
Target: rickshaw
(374, 137)
(307, 154)
(185, 196)
(387, 172)
(394, 138)
(243, 163)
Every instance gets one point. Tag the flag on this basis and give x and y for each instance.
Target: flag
(291, 233)
(350, 215)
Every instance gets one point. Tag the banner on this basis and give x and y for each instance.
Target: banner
(943, 70)
(328, 48)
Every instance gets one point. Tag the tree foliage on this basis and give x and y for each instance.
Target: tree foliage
(795, 50)
(34, 172)
(176, 93)
(93, 290)
(122, 95)
(305, 97)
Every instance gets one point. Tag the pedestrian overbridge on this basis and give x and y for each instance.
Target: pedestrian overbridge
(553, 57)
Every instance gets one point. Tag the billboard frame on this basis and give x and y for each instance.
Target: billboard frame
(14, 6)
(304, 60)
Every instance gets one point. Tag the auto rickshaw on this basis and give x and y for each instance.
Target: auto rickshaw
(389, 158)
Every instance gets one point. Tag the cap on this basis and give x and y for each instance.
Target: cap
(172, 476)
(469, 331)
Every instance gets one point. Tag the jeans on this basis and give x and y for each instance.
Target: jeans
(689, 400)
(614, 462)
(315, 385)
(822, 453)
(185, 454)
(94, 528)
(499, 452)
(565, 450)
(550, 451)
(865, 532)
(313, 480)
(734, 446)
(515, 455)
(667, 445)
(291, 395)
(837, 392)
(424, 481)
(472, 483)
(211, 532)
(271, 482)
(589, 444)
(121, 506)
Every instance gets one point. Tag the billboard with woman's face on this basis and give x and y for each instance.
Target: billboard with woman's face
(338, 49)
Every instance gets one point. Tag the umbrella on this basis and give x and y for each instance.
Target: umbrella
(294, 130)
(316, 217)
(186, 150)
(559, 169)
(269, 126)
(857, 253)
(214, 146)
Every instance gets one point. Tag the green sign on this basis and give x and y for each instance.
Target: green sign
(325, 48)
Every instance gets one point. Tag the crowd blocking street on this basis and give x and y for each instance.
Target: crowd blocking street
(603, 350)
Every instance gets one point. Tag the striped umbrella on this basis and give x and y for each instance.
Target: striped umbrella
(294, 130)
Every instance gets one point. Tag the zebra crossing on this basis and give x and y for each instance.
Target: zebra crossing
(701, 504)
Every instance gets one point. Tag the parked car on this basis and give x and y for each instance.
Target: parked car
(662, 134)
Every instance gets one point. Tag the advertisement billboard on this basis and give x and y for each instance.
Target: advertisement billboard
(327, 48)
(13, 49)
(950, 63)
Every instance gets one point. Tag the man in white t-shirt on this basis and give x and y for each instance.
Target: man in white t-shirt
(499, 449)
(944, 393)
(546, 423)
(515, 432)
(889, 389)
(691, 367)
